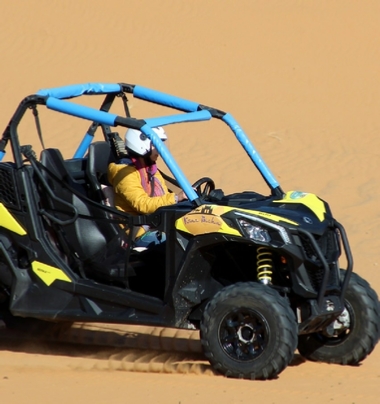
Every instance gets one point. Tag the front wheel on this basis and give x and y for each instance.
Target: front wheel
(356, 330)
(249, 331)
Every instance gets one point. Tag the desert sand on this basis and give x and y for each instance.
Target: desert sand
(301, 77)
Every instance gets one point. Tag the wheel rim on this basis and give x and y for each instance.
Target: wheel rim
(244, 334)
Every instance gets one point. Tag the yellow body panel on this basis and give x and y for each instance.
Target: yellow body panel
(207, 219)
(309, 200)
(48, 274)
(9, 222)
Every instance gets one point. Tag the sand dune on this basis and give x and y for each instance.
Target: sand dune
(302, 80)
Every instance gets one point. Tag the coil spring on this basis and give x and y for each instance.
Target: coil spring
(264, 265)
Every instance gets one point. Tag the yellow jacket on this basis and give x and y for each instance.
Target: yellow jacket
(130, 195)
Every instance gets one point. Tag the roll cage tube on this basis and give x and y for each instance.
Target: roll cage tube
(76, 90)
(185, 105)
(172, 165)
(254, 155)
(10, 132)
(165, 99)
(145, 126)
(81, 111)
(54, 100)
(89, 136)
(163, 151)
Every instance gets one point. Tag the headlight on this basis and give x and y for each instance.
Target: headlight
(258, 233)
(255, 232)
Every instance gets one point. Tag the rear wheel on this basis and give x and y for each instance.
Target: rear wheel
(356, 331)
(249, 331)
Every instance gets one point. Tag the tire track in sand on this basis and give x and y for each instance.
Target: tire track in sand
(113, 347)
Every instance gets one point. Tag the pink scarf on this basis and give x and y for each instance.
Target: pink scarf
(147, 175)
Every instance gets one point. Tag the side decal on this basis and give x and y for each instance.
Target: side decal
(9, 222)
(205, 219)
(49, 274)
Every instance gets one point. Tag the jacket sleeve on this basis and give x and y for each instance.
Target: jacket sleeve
(127, 185)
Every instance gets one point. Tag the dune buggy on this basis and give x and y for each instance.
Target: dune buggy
(258, 275)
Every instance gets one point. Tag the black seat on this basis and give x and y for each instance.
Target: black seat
(93, 242)
(98, 158)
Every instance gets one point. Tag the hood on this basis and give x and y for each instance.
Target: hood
(295, 209)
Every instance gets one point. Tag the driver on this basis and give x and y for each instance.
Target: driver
(138, 185)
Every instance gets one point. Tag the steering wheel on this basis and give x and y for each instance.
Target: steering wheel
(209, 185)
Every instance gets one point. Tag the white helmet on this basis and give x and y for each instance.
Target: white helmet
(137, 142)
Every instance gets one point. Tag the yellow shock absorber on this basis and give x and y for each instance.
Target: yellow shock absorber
(264, 265)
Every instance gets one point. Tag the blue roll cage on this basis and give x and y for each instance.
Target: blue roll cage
(56, 99)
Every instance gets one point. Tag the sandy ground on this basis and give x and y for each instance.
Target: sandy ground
(299, 76)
